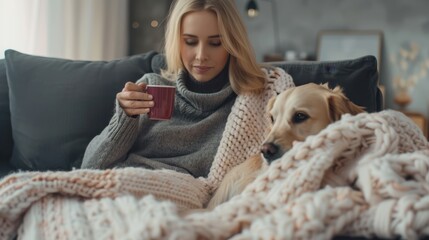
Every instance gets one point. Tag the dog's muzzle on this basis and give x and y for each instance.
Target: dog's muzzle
(271, 152)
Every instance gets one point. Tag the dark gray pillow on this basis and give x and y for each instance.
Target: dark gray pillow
(358, 78)
(57, 106)
(6, 141)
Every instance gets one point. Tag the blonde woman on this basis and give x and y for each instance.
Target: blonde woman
(221, 93)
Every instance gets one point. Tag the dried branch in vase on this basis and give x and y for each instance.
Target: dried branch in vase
(410, 66)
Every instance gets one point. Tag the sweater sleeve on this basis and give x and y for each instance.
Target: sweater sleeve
(112, 145)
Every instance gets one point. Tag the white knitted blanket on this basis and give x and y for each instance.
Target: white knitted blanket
(310, 193)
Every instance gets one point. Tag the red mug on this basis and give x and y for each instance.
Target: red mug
(163, 98)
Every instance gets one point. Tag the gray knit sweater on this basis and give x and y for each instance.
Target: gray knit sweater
(186, 143)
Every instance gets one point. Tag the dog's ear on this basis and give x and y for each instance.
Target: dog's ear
(339, 104)
(325, 85)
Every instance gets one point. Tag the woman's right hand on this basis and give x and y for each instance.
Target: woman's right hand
(134, 100)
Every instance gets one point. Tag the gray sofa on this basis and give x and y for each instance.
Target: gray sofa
(51, 108)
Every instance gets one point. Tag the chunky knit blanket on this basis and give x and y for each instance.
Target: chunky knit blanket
(363, 175)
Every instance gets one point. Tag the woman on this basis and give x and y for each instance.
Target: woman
(210, 61)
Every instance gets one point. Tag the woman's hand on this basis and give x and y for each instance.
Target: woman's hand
(134, 100)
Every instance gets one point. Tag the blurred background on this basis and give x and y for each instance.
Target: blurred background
(395, 31)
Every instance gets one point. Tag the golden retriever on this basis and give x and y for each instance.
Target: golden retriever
(295, 113)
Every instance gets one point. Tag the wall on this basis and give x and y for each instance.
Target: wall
(143, 36)
(401, 21)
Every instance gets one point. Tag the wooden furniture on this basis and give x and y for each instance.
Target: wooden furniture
(273, 58)
(420, 121)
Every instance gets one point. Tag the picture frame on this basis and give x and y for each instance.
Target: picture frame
(335, 45)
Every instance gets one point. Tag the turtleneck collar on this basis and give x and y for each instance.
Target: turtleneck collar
(212, 86)
(200, 101)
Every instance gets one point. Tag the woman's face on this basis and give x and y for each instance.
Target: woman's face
(201, 49)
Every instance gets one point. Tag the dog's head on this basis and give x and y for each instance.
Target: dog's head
(303, 111)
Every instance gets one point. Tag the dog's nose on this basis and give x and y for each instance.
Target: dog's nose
(270, 151)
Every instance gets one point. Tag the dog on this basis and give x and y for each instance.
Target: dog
(295, 114)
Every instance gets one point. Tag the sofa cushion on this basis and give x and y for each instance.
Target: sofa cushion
(358, 78)
(6, 141)
(57, 106)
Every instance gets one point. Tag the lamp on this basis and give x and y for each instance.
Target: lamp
(252, 8)
(252, 11)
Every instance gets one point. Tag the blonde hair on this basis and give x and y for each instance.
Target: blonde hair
(244, 73)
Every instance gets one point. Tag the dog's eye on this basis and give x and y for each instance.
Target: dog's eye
(299, 117)
(272, 119)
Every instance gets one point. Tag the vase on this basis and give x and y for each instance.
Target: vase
(402, 99)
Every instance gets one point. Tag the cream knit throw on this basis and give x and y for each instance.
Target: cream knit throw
(386, 151)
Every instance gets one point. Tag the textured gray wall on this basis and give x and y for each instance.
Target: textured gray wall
(402, 21)
(143, 37)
